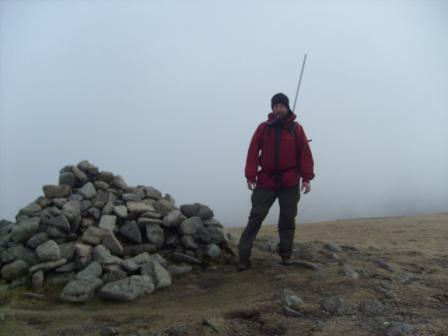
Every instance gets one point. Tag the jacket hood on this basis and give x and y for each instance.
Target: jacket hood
(273, 118)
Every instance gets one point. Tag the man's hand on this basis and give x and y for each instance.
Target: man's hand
(251, 185)
(306, 187)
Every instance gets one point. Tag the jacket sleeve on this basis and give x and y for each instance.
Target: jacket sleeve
(306, 162)
(253, 154)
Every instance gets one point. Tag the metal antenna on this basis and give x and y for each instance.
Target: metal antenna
(300, 81)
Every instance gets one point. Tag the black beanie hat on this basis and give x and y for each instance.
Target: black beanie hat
(280, 98)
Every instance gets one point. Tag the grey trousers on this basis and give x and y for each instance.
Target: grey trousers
(262, 200)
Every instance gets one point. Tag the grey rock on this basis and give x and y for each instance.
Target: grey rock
(67, 178)
(197, 210)
(61, 222)
(132, 197)
(138, 249)
(100, 199)
(164, 207)
(131, 232)
(24, 229)
(142, 258)
(182, 257)
(94, 213)
(93, 271)
(107, 222)
(190, 226)
(161, 260)
(212, 222)
(114, 275)
(121, 211)
(59, 279)
(101, 185)
(88, 190)
(12, 253)
(72, 209)
(83, 250)
(139, 207)
(109, 331)
(112, 244)
(173, 219)
(80, 175)
(383, 264)
(119, 183)
(155, 235)
(128, 289)
(56, 191)
(70, 267)
(161, 276)
(177, 270)
(108, 208)
(150, 214)
(102, 255)
(37, 239)
(46, 266)
(152, 193)
(48, 251)
(130, 266)
(67, 250)
(14, 270)
(88, 168)
(93, 235)
(31, 210)
(59, 202)
(213, 251)
(333, 247)
(80, 290)
(55, 233)
(350, 272)
(105, 176)
(37, 280)
(147, 220)
(291, 299)
(333, 305)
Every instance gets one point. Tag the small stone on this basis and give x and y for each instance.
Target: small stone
(190, 226)
(80, 290)
(107, 222)
(131, 232)
(173, 219)
(61, 222)
(161, 275)
(88, 190)
(70, 267)
(350, 272)
(182, 257)
(133, 250)
(67, 250)
(139, 207)
(128, 289)
(164, 207)
(333, 305)
(48, 251)
(147, 220)
(100, 199)
(14, 270)
(37, 239)
(93, 271)
(24, 229)
(121, 211)
(83, 250)
(56, 191)
(31, 210)
(67, 178)
(155, 235)
(37, 280)
(333, 247)
(105, 176)
(130, 266)
(189, 243)
(112, 244)
(177, 270)
(93, 235)
(114, 275)
(213, 251)
(150, 214)
(290, 299)
(102, 255)
(197, 209)
(46, 266)
(80, 175)
(119, 183)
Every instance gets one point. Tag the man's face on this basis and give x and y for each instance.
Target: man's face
(280, 110)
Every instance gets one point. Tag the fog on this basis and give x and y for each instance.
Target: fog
(169, 93)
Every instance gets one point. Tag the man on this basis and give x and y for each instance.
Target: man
(280, 148)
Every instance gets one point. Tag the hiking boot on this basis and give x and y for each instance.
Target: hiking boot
(244, 265)
(287, 261)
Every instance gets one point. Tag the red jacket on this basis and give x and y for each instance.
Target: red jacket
(285, 156)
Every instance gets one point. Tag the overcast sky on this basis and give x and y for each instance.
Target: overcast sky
(169, 93)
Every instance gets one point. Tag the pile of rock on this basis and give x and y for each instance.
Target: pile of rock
(94, 233)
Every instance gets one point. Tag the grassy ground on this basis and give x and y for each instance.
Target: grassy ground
(412, 291)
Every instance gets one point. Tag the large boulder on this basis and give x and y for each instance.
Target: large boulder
(128, 289)
(80, 290)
